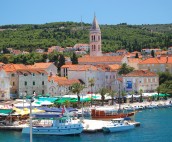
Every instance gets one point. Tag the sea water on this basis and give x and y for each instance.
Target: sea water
(156, 126)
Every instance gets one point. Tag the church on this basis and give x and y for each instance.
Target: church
(96, 56)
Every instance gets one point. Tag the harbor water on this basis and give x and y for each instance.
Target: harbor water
(156, 126)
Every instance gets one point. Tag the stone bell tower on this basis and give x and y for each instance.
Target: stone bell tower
(95, 39)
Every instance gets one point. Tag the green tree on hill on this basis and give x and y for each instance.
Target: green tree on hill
(124, 69)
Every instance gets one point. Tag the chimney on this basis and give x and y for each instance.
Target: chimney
(159, 56)
(167, 59)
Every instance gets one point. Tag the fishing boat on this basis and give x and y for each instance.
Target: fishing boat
(108, 114)
(60, 125)
(118, 125)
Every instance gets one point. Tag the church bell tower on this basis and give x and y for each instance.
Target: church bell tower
(95, 39)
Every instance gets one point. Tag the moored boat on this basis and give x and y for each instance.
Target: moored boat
(108, 115)
(60, 126)
(118, 125)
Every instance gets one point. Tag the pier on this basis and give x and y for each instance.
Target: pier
(90, 126)
(13, 128)
(97, 125)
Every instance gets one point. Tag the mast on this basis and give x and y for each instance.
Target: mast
(119, 99)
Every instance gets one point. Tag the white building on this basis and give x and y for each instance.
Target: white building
(32, 80)
(148, 51)
(103, 75)
(59, 86)
(49, 67)
(170, 50)
(140, 80)
(4, 85)
(26, 80)
(82, 47)
(11, 71)
(39, 50)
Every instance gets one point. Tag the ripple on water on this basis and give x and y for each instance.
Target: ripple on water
(155, 126)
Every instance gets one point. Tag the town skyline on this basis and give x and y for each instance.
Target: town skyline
(109, 12)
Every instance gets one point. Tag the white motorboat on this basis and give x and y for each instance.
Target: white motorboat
(117, 125)
(60, 126)
(129, 108)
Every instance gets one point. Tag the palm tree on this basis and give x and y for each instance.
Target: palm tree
(132, 92)
(158, 89)
(123, 93)
(140, 91)
(112, 93)
(102, 92)
(76, 89)
(91, 84)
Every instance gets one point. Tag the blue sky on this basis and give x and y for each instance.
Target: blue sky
(107, 11)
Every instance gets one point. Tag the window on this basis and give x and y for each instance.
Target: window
(25, 74)
(33, 74)
(33, 82)
(13, 83)
(42, 91)
(12, 75)
(42, 82)
(25, 83)
(42, 74)
(94, 47)
(98, 37)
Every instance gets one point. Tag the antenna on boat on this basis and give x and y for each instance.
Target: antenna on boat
(119, 99)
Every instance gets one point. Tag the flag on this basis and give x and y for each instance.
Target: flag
(63, 110)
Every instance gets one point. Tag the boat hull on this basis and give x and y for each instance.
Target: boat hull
(118, 128)
(109, 117)
(53, 130)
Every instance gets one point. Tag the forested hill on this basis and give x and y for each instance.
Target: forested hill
(131, 37)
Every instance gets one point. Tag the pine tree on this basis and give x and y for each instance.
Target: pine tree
(137, 55)
(61, 61)
(152, 53)
(74, 59)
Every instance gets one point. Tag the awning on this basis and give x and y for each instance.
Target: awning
(5, 111)
(47, 115)
(161, 95)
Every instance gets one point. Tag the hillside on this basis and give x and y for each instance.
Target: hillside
(131, 37)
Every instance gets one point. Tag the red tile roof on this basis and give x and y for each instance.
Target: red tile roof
(160, 60)
(134, 60)
(82, 67)
(21, 68)
(41, 65)
(101, 59)
(62, 81)
(140, 73)
(122, 50)
(14, 67)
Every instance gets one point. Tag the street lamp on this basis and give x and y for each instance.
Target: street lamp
(23, 96)
(82, 104)
(30, 120)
